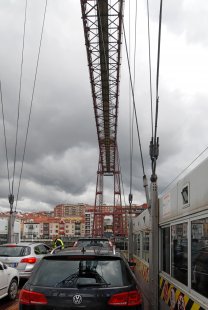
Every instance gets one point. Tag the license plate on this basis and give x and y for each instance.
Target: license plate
(14, 265)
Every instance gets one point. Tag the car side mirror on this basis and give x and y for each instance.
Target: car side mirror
(1, 267)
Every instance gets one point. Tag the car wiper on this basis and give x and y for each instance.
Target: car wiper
(67, 282)
(4, 255)
(73, 279)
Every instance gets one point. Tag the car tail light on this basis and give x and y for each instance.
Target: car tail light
(132, 264)
(29, 260)
(132, 298)
(32, 298)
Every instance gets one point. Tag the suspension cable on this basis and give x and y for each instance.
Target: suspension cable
(120, 169)
(135, 44)
(134, 80)
(154, 143)
(158, 69)
(5, 140)
(134, 105)
(184, 170)
(132, 117)
(150, 66)
(31, 103)
(19, 97)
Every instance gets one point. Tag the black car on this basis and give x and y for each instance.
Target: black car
(84, 279)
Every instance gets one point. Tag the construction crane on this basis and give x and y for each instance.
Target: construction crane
(102, 22)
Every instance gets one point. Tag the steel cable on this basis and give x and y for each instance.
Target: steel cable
(31, 103)
(150, 66)
(19, 98)
(5, 140)
(154, 144)
(133, 98)
(158, 70)
(184, 170)
(132, 118)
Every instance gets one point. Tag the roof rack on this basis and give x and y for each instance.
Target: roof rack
(99, 250)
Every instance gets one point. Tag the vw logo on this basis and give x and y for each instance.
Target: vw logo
(77, 299)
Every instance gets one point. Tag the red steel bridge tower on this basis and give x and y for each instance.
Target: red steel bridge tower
(102, 21)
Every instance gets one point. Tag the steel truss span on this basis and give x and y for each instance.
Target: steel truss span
(102, 21)
(119, 226)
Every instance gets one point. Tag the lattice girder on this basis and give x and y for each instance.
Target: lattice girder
(102, 27)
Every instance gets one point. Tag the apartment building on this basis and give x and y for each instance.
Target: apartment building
(66, 210)
(46, 228)
(89, 216)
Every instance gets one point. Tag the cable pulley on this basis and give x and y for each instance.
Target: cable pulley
(130, 198)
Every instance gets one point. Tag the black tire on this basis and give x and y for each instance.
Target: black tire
(13, 289)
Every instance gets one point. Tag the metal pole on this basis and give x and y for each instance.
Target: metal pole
(154, 248)
(10, 238)
(154, 234)
(130, 234)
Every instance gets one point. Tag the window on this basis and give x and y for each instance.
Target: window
(145, 250)
(166, 249)
(14, 251)
(179, 252)
(37, 250)
(185, 195)
(52, 273)
(199, 256)
(138, 245)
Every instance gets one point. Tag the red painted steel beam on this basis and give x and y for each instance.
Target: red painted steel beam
(102, 22)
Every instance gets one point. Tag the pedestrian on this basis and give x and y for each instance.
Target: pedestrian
(58, 242)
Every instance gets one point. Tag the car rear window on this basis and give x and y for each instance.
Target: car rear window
(85, 271)
(14, 251)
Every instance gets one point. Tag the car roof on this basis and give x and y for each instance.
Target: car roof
(22, 244)
(93, 238)
(98, 251)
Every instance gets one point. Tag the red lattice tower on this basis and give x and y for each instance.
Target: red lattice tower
(102, 21)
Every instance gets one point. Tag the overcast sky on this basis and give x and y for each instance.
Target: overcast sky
(62, 151)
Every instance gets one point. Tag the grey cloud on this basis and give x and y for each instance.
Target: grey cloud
(184, 17)
(62, 151)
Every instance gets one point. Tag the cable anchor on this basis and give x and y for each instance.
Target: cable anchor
(130, 198)
(11, 202)
(154, 153)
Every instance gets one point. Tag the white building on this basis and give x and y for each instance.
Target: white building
(31, 231)
(4, 230)
(89, 216)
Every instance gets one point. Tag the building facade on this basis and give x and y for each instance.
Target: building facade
(66, 210)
